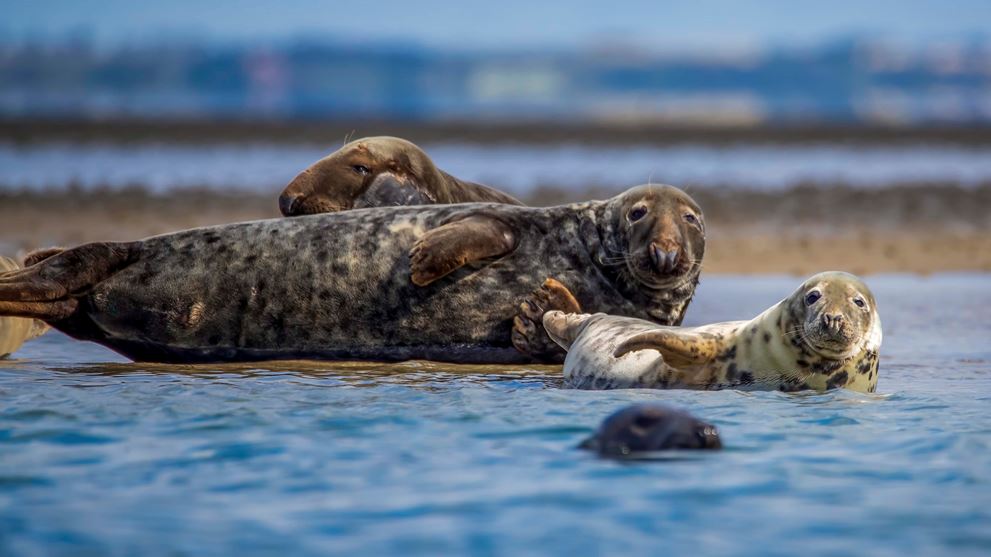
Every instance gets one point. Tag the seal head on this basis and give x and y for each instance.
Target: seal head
(832, 314)
(653, 236)
(644, 428)
(378, 172)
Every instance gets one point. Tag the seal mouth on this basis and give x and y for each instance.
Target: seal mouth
(661, 269)
(301, 206)
(831, 343)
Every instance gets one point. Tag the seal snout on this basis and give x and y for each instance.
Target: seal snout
(665, 260)
(832, 322)
(289, 204)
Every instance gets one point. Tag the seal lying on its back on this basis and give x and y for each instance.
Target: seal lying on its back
(15, 331)
(825, 335)
(439, 282)
(379, 172)
(645, 428)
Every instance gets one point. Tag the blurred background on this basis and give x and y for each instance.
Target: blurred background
(814, 135)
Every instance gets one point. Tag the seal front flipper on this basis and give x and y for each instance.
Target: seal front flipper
(45, 290)
(529, 335)
(678, 347)
(447, 248)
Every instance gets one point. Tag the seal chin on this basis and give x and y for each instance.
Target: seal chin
(835, 345)
(310, 206)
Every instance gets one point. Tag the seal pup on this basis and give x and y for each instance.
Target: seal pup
(15, 331)
(644, 428)
(439, 282)
(379, 172)
(825, 335)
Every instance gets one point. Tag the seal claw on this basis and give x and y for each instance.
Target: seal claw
(529, 336)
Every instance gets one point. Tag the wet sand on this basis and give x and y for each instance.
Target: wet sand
(902, 228)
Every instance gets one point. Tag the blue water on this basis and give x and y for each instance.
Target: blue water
(514, 168)
(102, 457)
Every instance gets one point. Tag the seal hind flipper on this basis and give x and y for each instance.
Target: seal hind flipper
(678, 347)
(562, 327)
(529, 335)
(44, 290)
(447, 248)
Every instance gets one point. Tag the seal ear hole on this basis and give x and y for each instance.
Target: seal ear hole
(812, 297)
(361, 169)
(637, 213)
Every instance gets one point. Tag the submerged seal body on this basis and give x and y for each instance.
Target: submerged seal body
(646, 428)
(15, 331)
(439, 282)
(825, 335)
(379, 172)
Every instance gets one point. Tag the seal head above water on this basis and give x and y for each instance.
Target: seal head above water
(379, 172)
(825, 335)
(646, 428)
(440, 282)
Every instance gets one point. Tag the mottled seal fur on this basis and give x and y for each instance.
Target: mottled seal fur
(15, 331)
(440, 282)
(646, 428)
(825, 335)
(379, 172)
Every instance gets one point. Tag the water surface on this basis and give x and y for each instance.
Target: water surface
(103, 457)
(516, 168)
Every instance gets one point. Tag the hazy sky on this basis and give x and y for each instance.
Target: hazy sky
(502, 22)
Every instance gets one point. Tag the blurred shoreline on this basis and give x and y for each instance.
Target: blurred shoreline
(334, 131)
(912, 228)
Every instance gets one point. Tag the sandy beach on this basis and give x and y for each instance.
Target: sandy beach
(912, 228)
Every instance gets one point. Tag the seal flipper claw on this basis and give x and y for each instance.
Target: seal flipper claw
(447, 248)
(529, 335)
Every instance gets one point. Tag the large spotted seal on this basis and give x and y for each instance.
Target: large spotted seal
(379, 172)
(825, 335)
(439, 282)
(14, 331)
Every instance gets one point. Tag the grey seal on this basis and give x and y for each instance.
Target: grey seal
(646, 428)
(379, 172)
(824, 335)
(440, 282)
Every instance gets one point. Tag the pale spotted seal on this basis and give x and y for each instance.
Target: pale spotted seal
(439, 282)
(825, 335)
(15, 331)
(379, 172)
(645, 428)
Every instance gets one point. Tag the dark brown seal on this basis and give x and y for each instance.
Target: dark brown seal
(438, 282)
(646, 428)
(379, 172)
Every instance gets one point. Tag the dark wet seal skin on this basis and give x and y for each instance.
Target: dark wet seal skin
(343, 286)
(646, 428)
(379, 172)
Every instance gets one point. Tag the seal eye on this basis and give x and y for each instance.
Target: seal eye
(692, 219)
(361, 169)
(859, 302)
(637, 213)
(812, 297)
